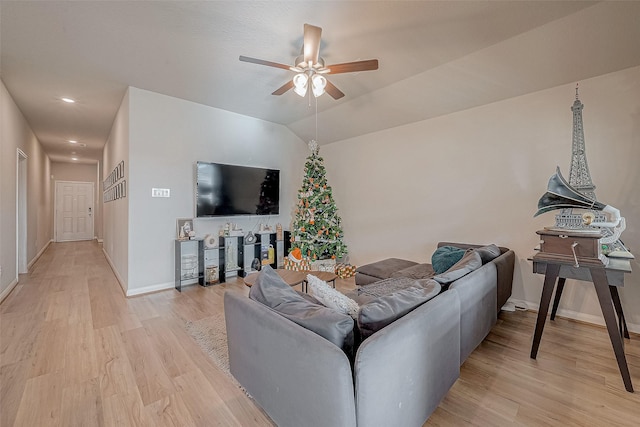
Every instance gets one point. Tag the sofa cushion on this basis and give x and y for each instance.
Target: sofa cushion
(488, 253)
(385, 287)
(273, 292)
(444, 257)
(418, 271)
(386, 309)
(331, 298)
(385, 268)
(469, 262)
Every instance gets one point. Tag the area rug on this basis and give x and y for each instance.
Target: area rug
(211, 335)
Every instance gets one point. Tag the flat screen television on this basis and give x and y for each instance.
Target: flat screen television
(226, 190)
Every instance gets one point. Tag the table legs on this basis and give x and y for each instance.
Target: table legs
(545, 299)
(622, 323)
(609, 300)
(604, 297)
(556, 300)
(305, 284)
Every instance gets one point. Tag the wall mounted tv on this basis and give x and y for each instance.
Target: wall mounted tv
(226, 190)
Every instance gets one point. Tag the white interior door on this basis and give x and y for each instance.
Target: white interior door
(74, 211)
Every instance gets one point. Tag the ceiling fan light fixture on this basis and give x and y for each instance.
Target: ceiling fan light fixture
(300, 84)
(309, 64)
(318, 83)
(300, 63)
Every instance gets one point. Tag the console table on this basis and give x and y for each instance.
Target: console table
(560, 265)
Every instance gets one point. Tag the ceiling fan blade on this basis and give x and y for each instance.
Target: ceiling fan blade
(282, 89)
(263, 62)
(311, 44)
(333, 91)
(350, 67)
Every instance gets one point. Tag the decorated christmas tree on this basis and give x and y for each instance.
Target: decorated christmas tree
(316, 225)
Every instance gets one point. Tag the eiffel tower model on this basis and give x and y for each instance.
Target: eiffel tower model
(579, 176)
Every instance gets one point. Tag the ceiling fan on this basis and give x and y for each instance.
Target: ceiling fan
(310, 68)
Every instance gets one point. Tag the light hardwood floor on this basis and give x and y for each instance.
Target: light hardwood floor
(75, 351)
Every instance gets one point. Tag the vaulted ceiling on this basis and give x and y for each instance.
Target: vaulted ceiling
(436, 57)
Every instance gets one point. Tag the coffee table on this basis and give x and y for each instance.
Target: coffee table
(294, 278)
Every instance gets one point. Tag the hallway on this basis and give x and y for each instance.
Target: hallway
(75, 351)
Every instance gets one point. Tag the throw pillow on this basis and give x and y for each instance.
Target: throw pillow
(273, 292)
(331, 298)
(386, 309)
(444, 257)
(470, 262)
(488, 253)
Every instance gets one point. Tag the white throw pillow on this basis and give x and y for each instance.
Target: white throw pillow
(331, 298)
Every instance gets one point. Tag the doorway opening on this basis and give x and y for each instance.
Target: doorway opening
(21, 213)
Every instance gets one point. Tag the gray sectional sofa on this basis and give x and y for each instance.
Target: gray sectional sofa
(397, 376)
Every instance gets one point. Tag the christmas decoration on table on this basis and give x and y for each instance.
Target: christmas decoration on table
(317, 230)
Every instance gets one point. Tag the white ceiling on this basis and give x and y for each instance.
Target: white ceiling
(435, 58)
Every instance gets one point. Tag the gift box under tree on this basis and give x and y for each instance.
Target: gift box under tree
(344, 271)
(302, 265)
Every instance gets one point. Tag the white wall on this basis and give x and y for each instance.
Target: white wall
(476, 176)
(80, 172)
(116, 213)
(167, 137)
(15, 134)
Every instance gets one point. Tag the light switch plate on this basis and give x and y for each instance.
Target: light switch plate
(160, 192)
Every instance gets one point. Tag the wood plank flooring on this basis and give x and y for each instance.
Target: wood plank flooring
(75, 351)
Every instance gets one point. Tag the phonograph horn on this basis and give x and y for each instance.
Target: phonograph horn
(561, 195)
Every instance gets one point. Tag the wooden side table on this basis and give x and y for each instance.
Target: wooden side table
(294, 278)
(555, 266)
(290, 277)
(326, 276)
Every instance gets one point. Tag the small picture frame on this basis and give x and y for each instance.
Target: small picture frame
(184, 227)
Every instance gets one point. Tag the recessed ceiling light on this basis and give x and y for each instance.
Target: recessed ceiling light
(73, 141)
(68, 100)
(74, 158)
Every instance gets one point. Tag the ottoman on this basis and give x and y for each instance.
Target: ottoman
(380, 270)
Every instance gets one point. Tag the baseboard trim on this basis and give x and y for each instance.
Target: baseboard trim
(38, 255)
(573, 315)
(8, 290)
(150, 289)
(123, 286)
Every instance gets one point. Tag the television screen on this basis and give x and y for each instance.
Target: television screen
(225, 190)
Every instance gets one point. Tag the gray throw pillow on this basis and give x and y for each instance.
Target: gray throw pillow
(386, 309)
(273, 292)
(470, 262)
(444, 257)
(488, 253)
